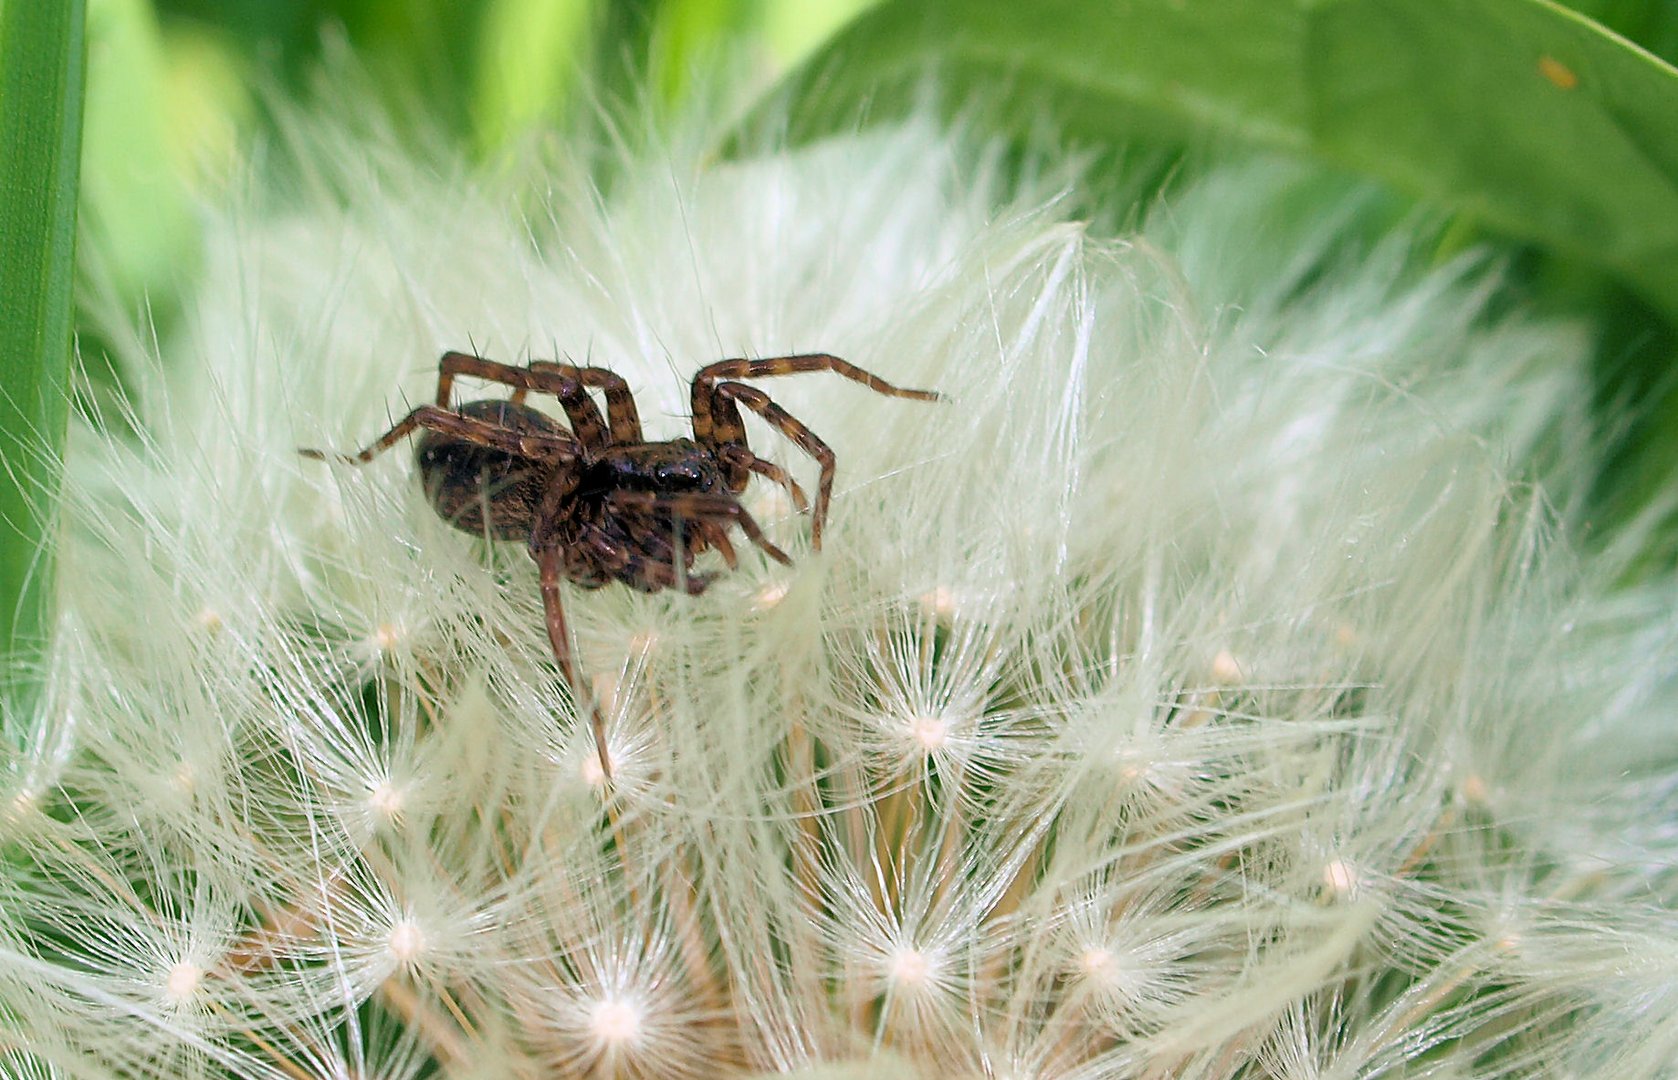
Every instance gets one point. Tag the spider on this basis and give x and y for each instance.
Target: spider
(598, 503)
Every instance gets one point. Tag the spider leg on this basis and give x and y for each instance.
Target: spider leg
(717, 536)
(699, 506)
(478, 432)
(736, 455)
(555, 379)
(704, 383)
(551, 562)
(726, 394)
(621, 414)
(649, 569)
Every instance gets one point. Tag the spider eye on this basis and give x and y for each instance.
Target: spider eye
(676, 475)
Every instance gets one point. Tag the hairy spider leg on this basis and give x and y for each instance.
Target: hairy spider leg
(717, 423)
(705, 381)
(621, 414)
(698, 506)
(649, 571)
(751, 397)
(717, 537)
(555, 379)
(551, 566)
(537, 447)
(737, 456)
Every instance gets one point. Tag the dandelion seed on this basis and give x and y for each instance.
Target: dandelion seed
(406, 942)
(589, 769)
(1142, 763)
(21, 806)
(386, 799)
(182, 982)
(930, 733)
(1474, 789)
(387, 637)
(209, 620)
(1341, 879)
(1098, 963)
(1226, 669)
(940, 602)
(770, 595)
(909, 968)
(616, 1023)
(1119, 978)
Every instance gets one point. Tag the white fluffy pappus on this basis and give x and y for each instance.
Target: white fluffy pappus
(1201, 691)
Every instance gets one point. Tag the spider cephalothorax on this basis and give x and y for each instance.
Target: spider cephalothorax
(597, 503)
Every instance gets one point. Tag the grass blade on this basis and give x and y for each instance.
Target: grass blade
(42, 68)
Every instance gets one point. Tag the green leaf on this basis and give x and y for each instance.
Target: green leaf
(1653, 24)
(42, 51)
(1537, 121)
(1520, 113)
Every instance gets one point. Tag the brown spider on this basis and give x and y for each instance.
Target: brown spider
(598, 504)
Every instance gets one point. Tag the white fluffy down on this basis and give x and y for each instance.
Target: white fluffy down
(1201, 691)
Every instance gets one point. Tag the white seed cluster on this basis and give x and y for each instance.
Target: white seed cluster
(1204, 689)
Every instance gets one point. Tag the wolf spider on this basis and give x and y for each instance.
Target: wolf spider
(598, 503)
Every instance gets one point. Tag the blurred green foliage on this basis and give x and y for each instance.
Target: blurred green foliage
(488, 69)
(176, 86)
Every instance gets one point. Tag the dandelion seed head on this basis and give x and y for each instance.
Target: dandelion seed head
(1185, 608)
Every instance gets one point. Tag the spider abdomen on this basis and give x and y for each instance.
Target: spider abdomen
(484, 490)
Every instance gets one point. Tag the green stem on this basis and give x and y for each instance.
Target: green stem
(42, 68)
